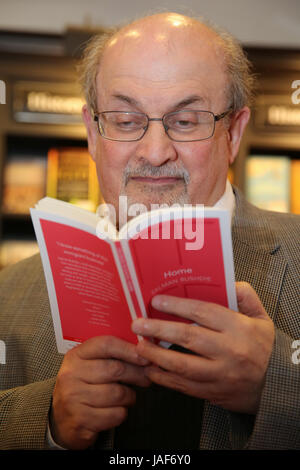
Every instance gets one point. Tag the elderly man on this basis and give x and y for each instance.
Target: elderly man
(166, 110)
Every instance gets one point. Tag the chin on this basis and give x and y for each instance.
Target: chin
(158, 199)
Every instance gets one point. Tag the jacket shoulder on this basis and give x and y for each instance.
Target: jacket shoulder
(265, 229)
(26, 271)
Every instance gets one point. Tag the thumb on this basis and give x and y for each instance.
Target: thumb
(248, 301)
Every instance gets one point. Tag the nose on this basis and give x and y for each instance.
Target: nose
(156, 147)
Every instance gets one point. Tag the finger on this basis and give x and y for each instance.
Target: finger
(201, 390)
(101, 371)
(206, 314)
(79, 430)
(106, 418)
(202, 341)
(102, 347)
(248, 301)
(213, 391)
(185, 365)
(112, 370)
(107, 395)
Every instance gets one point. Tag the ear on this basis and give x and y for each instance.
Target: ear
(236, 130)
(92, 131)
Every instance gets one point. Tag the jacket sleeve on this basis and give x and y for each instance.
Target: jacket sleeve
(24, 415)
(277, 423)
(30, 361)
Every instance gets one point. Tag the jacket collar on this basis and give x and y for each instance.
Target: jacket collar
(258, 257)
(252, 226)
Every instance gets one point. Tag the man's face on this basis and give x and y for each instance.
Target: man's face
(158, 70)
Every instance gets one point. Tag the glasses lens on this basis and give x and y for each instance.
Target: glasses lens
(120, 126)
(189, 125)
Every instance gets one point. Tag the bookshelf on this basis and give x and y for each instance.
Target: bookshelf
(34, 168)
(267, 168)
(272, 180)
(43, 148)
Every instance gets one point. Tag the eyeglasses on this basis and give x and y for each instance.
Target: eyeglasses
(181, 126)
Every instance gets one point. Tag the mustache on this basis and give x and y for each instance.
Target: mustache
(147, 170)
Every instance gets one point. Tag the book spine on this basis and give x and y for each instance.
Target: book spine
(128, 279)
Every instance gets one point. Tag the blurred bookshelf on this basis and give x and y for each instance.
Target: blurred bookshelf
(267, 168)
(33, 169)
(273, 182)
(43, 147)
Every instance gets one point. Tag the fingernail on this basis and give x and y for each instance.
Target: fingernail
(139, 326)
(159, 301)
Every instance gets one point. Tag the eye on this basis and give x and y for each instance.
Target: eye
(127, 122)
(183, 121)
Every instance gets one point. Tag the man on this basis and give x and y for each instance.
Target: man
(230, 382)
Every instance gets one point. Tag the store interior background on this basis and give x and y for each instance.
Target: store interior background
(42, 138)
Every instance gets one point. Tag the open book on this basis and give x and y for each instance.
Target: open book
(98, 283)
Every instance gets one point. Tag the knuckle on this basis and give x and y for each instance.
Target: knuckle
(65, 395)
(65, 375)
(178, 384)
(241, 356)
(106, 343)
(86, 435)
(118, 415)
(181, 367)
(188, 336)
(196, 312)
(116, 368)
(119, 393)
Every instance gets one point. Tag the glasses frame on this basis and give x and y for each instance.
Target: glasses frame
(216, 117)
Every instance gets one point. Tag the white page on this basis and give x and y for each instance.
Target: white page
(55, 211)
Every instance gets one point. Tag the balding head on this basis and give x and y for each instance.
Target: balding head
(165, 66)
(165, 30)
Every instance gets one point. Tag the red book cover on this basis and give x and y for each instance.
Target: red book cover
(97, 285)
(167, 267)
(90, 296)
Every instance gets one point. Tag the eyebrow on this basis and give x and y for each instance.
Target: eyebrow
(181, 104)
(126, 99)
(189, 100)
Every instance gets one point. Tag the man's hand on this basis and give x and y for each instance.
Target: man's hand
(90, 395)
(231, 349)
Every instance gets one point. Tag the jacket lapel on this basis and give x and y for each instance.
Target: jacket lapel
(257, 253)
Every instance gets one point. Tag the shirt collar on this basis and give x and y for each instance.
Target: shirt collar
(227, 201)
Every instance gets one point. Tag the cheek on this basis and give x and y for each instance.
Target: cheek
(111, 160)
(204, 160)
(197, 158)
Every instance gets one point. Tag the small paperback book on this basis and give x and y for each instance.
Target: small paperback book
(99, 280)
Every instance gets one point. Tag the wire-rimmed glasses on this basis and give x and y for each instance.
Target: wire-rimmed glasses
(187, 125)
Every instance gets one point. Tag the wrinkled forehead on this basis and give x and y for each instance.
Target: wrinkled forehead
(160, 55)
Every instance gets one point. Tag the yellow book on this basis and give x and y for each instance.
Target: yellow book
(230, 175)
(23, 184)
(295, 186)
(72, 177)
(268, 182)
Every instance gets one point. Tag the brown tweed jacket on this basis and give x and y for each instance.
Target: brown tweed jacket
(266, 252)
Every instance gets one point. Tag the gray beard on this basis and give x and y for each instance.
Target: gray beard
(166, 170)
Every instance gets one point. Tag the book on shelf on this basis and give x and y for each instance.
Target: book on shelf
(99, 279)
(230, 175)
(295, 186)
(268, 182)
(23, 183)
(72, 177)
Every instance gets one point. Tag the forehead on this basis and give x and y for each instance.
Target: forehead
(161, 64)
